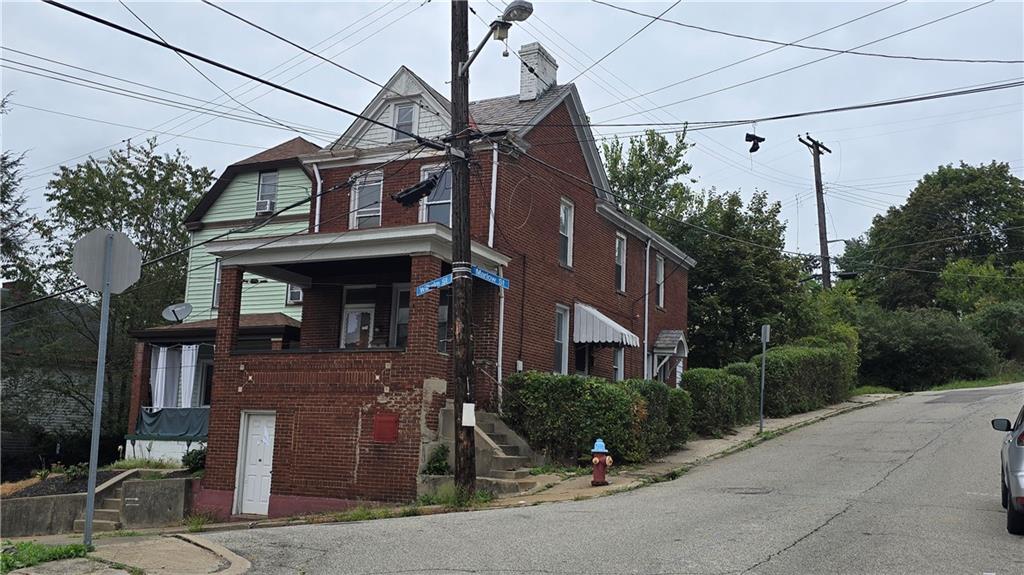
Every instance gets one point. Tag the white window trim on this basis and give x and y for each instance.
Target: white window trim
(395, 136)
(425, 172)
(288, 295)
(396, 289)
(354, 215)
(566, 202)
(619, 363)
(621, 280)
(346, 307)
(259, 187)
(215, 300)
(564, 311)
(659, 279)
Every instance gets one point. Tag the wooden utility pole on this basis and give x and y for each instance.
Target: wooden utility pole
(816, 149)
(462, 279)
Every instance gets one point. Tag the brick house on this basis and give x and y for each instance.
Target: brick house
(351, 410)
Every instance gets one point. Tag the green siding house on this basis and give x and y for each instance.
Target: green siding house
(173, 373)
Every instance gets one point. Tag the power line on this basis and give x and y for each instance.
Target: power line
(418, 139)
(808, 63)
(753, 57)
(809, 47)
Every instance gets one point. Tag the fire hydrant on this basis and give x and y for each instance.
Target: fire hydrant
(602, 461)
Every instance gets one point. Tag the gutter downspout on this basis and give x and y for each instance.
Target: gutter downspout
(501, 339)
(494, 194)
(319, 190)
(647, 307)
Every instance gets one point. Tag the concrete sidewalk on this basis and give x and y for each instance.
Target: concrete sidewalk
(180, 554)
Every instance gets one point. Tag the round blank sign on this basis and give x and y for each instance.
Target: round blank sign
(125, 260)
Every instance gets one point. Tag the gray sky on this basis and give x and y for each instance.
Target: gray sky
(878, 154)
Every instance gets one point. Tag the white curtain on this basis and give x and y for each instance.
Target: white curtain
(157, 375)
(189, 359)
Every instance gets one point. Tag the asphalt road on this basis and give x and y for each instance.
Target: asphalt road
(906, 486)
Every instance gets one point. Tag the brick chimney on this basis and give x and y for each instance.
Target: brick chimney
(532, 85)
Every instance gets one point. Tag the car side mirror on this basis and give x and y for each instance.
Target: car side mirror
(1001, 424)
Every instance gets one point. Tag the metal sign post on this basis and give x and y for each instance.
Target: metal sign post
(766, 332)
(120, 268)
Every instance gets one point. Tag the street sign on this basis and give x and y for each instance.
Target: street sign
(433, 284)
(106, 262)
(488, 277)
(125, 260)
(766, 333)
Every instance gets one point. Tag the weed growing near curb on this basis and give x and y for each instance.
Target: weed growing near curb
(196, 522)
(449, 497)
(29, 553)
(118, 533)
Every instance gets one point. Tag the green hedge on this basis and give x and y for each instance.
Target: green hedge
(749, 405)
(718, 399)
(562, 415)
(800, 378)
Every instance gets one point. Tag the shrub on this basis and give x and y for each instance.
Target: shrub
(680, 412)
(194, 459)
(919, 349)
(562, 415)
(714, 394)
(750, 396)
(77, 471)
(437, 463)
(1002, 325)
(799, 379)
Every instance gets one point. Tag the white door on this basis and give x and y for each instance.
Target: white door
(257, 463)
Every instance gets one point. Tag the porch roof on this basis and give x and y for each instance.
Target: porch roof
(249, 324)
(271, 258)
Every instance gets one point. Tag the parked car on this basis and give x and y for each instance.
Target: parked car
(1011, 469)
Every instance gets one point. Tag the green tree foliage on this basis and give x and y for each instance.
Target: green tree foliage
(967, 286)
(901, 256)
(645, 177)
(139, 192)
(16, 222)
(1002, 325)
(918, 349)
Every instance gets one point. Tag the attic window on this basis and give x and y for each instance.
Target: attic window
(405, 120)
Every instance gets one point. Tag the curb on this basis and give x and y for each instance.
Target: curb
(236, 563)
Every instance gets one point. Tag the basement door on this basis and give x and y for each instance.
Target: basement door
(257, 462)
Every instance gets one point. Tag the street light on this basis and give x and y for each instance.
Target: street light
(517, 11)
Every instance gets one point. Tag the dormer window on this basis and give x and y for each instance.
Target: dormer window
(266, 193)
(405, 120)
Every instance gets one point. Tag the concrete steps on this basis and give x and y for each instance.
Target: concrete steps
(106, 515)
(97, 525)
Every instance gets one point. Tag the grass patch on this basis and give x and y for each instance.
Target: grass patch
(118, 533)
(986, 382)
(556, 469)
(196, 522)
(12, 487)
(125, 464)
(449, 497)
(868, 389)
(29, 553)
(363, 514)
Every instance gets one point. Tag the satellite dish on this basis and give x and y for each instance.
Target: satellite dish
(177, 311)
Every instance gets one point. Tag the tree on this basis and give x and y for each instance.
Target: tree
(646, 176)
(967, 286)
(955, 212)
(16, 222)
(145, 195)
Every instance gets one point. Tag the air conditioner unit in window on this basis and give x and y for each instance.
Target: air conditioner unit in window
(264, 207)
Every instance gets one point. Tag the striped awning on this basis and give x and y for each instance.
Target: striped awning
(592, 326)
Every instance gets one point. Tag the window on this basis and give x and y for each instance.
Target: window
(619, 363)
(584, 359)
(366, 201)
(357, 317)
(437, 207)
(561, 339)
(405, 120)
(620, 262)
(266, 194)
(565, 233)
(293, 295)
(659, 280)
(206, 393)
(444, 321)
(399, 315)
(216, 284)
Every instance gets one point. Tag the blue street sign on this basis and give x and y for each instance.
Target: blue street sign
(434, 284)
(488, 277)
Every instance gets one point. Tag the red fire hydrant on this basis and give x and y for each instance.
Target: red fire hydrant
(602, 461)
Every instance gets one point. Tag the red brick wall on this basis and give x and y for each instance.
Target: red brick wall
(527, 226)
(325, 402)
